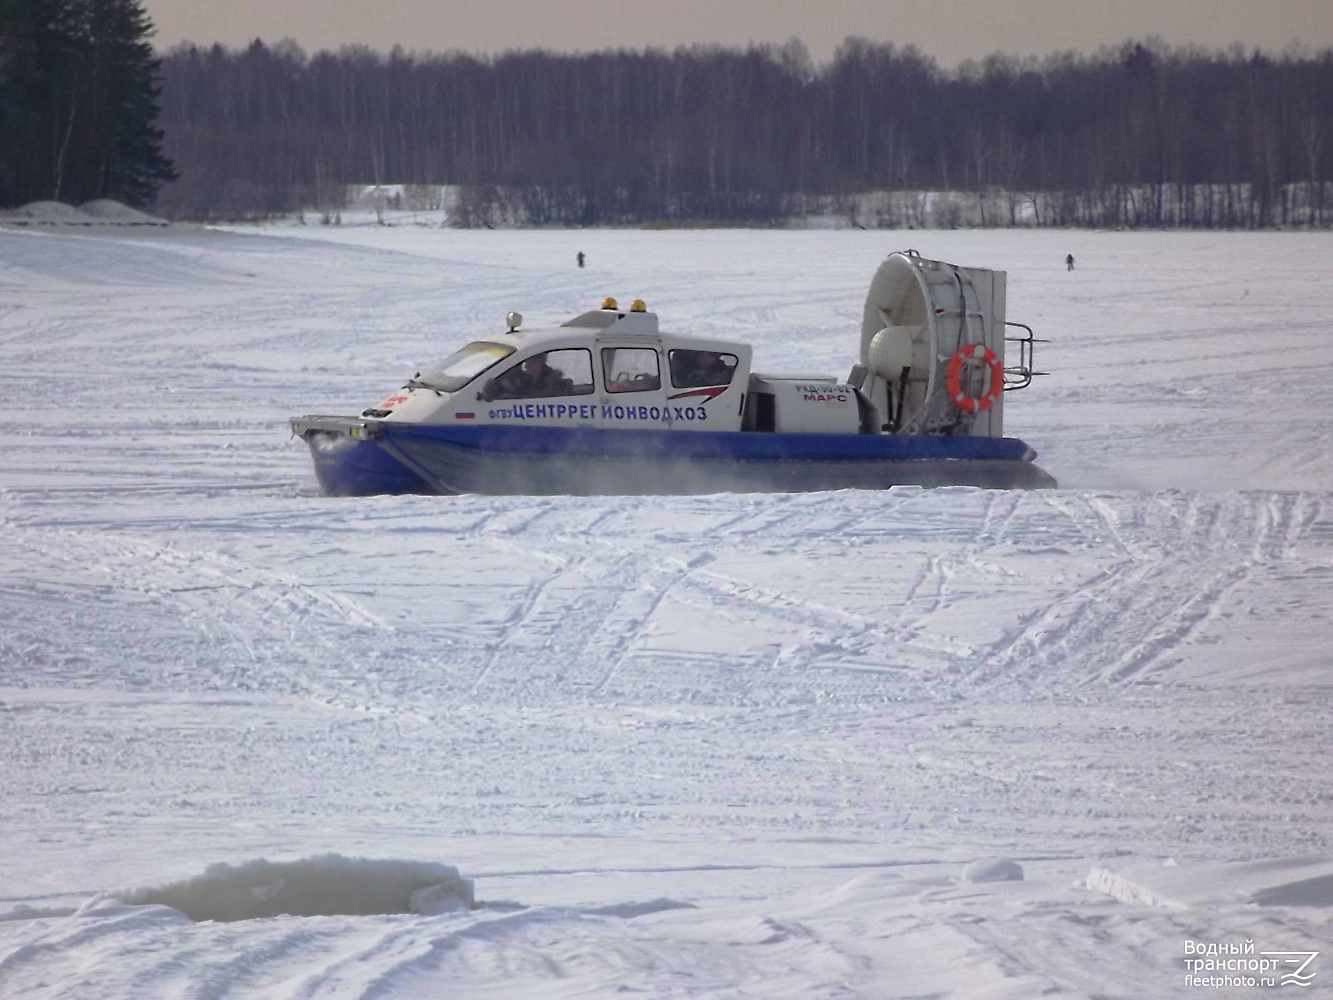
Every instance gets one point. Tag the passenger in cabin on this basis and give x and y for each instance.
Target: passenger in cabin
(642, 382)
(698, 368)
(631, 369)
(532, 378)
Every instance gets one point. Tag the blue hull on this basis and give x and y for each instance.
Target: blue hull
(490, 459)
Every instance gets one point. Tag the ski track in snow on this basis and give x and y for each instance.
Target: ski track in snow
(727, 745)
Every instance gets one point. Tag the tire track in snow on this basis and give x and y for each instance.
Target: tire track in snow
(231, 963)
(865, 651)
(635, 613)
(63, 936)
(1066, 951)
(520, 625)
(552, 644)
(840, 652)
(1087, 619)
(941, 569)
(256, 629)
(1119, 624)
(578, 950)
(1277, 521)
(622, 582)
(574, 629)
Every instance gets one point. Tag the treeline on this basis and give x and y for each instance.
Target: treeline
(1140, 135)
(78, 102)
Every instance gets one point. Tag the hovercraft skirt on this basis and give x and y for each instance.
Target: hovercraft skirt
(498, 460)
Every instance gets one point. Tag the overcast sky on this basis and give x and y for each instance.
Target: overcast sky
(950, 30)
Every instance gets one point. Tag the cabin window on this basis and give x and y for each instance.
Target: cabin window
(631, 369)
(552, 373)
(691, 369)
(461, 367)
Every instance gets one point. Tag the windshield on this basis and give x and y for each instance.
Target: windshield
(461, 367)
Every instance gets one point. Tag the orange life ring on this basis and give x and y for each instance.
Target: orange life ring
(953, 378)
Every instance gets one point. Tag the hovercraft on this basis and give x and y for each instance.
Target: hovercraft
(607, 403)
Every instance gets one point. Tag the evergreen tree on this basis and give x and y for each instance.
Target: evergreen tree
(78, 96)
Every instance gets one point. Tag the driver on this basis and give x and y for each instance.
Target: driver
(533, 377)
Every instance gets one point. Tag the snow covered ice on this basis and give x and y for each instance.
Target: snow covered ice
(947, 743)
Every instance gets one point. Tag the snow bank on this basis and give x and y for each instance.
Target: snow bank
(22, 911)
(110, 210)
(101, 212)
(49, 211)
(319, 886)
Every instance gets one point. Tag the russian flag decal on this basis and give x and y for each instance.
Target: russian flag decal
(464, 416)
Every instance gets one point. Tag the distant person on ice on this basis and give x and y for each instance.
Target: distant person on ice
(1069, 262)
(580, 258)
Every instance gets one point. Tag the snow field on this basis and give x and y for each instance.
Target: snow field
(702, 746)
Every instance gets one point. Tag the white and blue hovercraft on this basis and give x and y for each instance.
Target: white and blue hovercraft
(607, 403)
